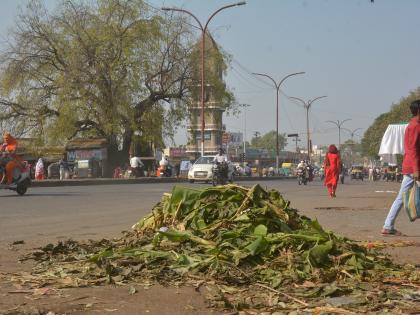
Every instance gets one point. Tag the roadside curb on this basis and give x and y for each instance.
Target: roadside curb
(125, 181)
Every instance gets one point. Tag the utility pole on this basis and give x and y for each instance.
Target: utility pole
(339, 125)
(244, 136)
(203, 41)
(307, 106)
(277, 86)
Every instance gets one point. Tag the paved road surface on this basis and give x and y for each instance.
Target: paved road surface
(50, 214)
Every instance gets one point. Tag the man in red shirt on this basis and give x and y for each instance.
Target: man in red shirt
(410, 167)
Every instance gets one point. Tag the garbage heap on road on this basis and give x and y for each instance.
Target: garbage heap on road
(246, 249)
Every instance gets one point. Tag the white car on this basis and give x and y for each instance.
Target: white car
(202, 170)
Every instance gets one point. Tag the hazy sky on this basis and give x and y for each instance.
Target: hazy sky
(362, 55)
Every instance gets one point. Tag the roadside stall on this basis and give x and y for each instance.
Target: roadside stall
(392, 144)
(89, 157)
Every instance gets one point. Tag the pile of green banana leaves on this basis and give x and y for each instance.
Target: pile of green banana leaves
(248, 247)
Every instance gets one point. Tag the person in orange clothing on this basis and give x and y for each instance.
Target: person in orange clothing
(9, 147)
(332, 166)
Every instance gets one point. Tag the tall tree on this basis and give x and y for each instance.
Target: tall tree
(399, 113)
(103, 68)
(268, 141)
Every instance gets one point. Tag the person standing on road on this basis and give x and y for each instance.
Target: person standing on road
(410, 167)
(332, 166)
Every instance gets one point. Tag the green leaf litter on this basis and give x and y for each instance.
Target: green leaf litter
(246, 248)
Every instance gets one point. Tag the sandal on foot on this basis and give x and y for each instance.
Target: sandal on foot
(392, 232)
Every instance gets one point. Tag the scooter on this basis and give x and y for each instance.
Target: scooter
(301, 176)
(164, 171)
(21, 179)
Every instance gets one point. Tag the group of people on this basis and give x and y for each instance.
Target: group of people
(410, 169)
(332, 166)
(307, 169)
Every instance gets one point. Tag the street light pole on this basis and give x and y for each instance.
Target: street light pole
(244, 135)
(307, 106)
(338, 124)
(203, 37)
(277, 86)
(352, 132)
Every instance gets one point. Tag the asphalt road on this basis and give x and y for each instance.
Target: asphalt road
(47, 215)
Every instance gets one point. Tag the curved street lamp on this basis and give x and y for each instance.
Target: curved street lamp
(277, 86)
(338, 124)
(352, 132)
(307, 106)
(203, 36)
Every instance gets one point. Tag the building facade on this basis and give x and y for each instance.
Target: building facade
(214, 102)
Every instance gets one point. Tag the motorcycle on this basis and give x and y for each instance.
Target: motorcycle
(301, 176)
(21, 176)
(220, 174)
(376, 176)
(164, 171)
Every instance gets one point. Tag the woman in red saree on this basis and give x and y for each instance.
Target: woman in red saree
(332, 166)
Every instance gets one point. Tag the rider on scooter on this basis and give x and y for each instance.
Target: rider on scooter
(221, 159)
(302, 167)
(8, 150)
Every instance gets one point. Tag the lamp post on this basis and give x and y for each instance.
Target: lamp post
(244, 136)
(307, 106)
(352, 132)
(338, 124)
(203, 37)
(277, 86)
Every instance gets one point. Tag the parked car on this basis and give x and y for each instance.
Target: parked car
(87, 169)
(202, 170)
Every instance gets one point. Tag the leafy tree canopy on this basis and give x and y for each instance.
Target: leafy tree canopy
(108, 68)
(268, 141)
(399, 113)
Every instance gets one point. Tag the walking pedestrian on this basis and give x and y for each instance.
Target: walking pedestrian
(410, 167)
(332, 166)
(371, 174)
(64, 168)
(39, 170)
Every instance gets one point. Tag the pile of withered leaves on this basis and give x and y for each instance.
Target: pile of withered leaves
(247, 247)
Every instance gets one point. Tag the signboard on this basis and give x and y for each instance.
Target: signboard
(225, 138)
(177, 152)
(185, 166)
(236, 138)
(99, 154)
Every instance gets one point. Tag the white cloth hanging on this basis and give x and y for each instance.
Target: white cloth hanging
(393, 140)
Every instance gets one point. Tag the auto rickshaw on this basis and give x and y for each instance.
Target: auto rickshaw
(357, 172)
